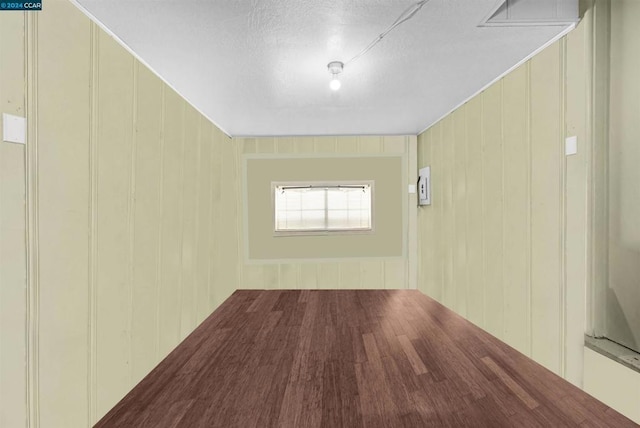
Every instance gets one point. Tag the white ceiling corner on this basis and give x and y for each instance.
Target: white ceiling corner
(258, 67)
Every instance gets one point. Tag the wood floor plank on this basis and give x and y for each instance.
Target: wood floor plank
(350, 358)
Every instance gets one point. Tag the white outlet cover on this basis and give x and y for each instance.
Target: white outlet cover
(14, 129)
(571, 146)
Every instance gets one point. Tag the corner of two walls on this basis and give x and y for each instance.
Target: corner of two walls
(132, 227)
(504, 242)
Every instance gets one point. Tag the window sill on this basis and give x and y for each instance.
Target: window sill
(614, 351)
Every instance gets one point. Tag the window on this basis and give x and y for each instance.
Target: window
(322, 207)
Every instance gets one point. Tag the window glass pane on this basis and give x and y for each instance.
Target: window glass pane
(328, 207)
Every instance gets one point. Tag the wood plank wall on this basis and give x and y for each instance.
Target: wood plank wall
(13, 297)
(349, 274)
(505, 242)
(135, 213)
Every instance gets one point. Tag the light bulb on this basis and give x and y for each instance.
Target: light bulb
(335, 84)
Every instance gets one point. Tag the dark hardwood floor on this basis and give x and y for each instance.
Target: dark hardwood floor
(390, 358)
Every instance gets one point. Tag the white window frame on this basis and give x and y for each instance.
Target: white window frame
(320, 184)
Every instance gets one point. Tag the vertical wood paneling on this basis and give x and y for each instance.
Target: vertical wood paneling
(372, 274)
(146, 222)
(203, 222)
(189, 209)
(492, 209)
(349, 275)
(289, 276)
(113, 286)
(63, 104)
(516, 210)
(577, 96)
(230, 220)
(447, 221)
(328, 276)
(370, 144)
(13, 298)
(216, 295)
(324, 144)
(437, 205)
(526, 213)
(126, 215)
(460, 218)
(169, 284)
(475, 216)
(365, 273)
(546, 168)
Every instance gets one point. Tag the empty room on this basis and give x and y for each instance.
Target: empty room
(331, 213)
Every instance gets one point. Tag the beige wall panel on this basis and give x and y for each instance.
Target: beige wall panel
(271, 277)
(437, 206)
(349, 276)
(447, 221)
(394, 144)
(370, 144)
(360, 272)
(526, 213)
(13, 264)
(203, 222)
(247, 145)
(230, 221)
(146, 223)
(252, 277)
(347, 145)
(216, 295)
(189, 208)
(289, 276)
(475, 218)
(623, 295)
(63, 197)
(371, 275)
(171, 233)
(285, 145)
(430, 232)
(328, 276)
(612, 383)
(325, 144)
(308, 276)
(459, 237)
(546, 218)
(389, 214)
(598, 193)
(492, 214)
(577, 179)
(114, 162)
(516, 209)
(395, 274)
(265, 145)
(305, 145)
(425, 224)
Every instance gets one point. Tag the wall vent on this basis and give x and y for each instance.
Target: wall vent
(516, 13)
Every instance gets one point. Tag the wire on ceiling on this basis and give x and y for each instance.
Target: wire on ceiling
(404, 17)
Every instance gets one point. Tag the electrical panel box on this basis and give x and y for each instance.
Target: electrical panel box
(424, 186)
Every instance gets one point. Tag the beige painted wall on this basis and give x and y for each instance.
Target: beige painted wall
(13, 270)
(612, 383)
(505, 241)
(131, 240)
(366, 272)
(387, 239)
(623, 292)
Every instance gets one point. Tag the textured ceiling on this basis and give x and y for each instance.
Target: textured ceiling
(258, 67)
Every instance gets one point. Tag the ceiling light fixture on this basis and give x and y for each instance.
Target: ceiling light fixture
(335, 68)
